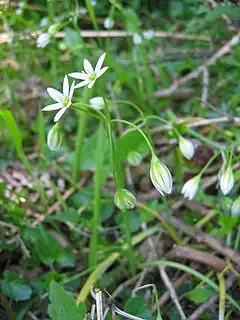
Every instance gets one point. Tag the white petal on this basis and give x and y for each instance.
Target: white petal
(65, 86)
(91, 83)
(59, 114)
(82, 84)
(100, 63)
(101, 72)
(71, 91)
(87, 67)
(51, 107)
(55, 94)
(79, 75)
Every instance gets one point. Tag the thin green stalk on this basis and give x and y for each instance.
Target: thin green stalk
(41, 139)
(222, 297)
(237, 240)
(209, 163)
(139, 130)
(118, 183)
(129, 242)
(193, 272)
(133, 105)
(211, 143)
(99, 156)
(175, 236)
(104, 265)
(81, 133)
(94, 20)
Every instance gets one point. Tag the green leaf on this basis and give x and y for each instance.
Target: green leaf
(131, 141)
(48, 248)
(138, 307)
(14, 287)
(63, 306)
(200, 295)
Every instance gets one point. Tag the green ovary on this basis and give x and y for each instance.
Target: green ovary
(92, 77)
(65, 102)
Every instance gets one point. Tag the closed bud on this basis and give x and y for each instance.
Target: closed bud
(108, 23)
(160, 176)
(54, 138)
(124, 199)
(186, 147)
(236, 207)
(134, 158)
(227, 181)
(97, 103)
(190, 188)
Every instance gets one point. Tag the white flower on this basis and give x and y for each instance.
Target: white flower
(190, 188)
(108, 23)
(227, 181)
(137, 39)
(160, 176)
(43, 40)
(124, 199)
(97, 103)
(236, 207)
(134, 158)
(186, 148)
(93, 2)
(44, 22)
(89, 76)
(149, 34)
(54, 138)
(64, 100)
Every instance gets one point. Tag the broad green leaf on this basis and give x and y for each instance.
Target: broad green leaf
(138, 307)
(63, 306)
(15, 288)
(200, 295)
(48, 248)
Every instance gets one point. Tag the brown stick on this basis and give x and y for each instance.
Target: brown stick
(195, 233)
(196, 255)
(118, 34)
(195, 73)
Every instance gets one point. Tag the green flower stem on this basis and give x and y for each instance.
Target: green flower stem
(209, 162)
(133, 105)
(139, 130)
(211, 143)
(77, 107)
(222, 297)
(159, 119)
(128, 236)
(118, 183)
(237, 240)
(99, 156)
(82, 128)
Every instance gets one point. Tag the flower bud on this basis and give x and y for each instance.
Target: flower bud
(54, 138)
(108, 23)
(137, 39)
(43, 40)
(190, 188)
(97, 103)
(236, 207)
(134, 158)
(227, 181)
(124, 199)
(186, 147)
(160, 176)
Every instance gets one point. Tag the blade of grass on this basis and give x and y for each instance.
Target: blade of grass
(16, 137)
(103, 266)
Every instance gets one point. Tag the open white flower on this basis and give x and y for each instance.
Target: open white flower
(190, 188)
(64, 100)
(89, 76)
(160, 176)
